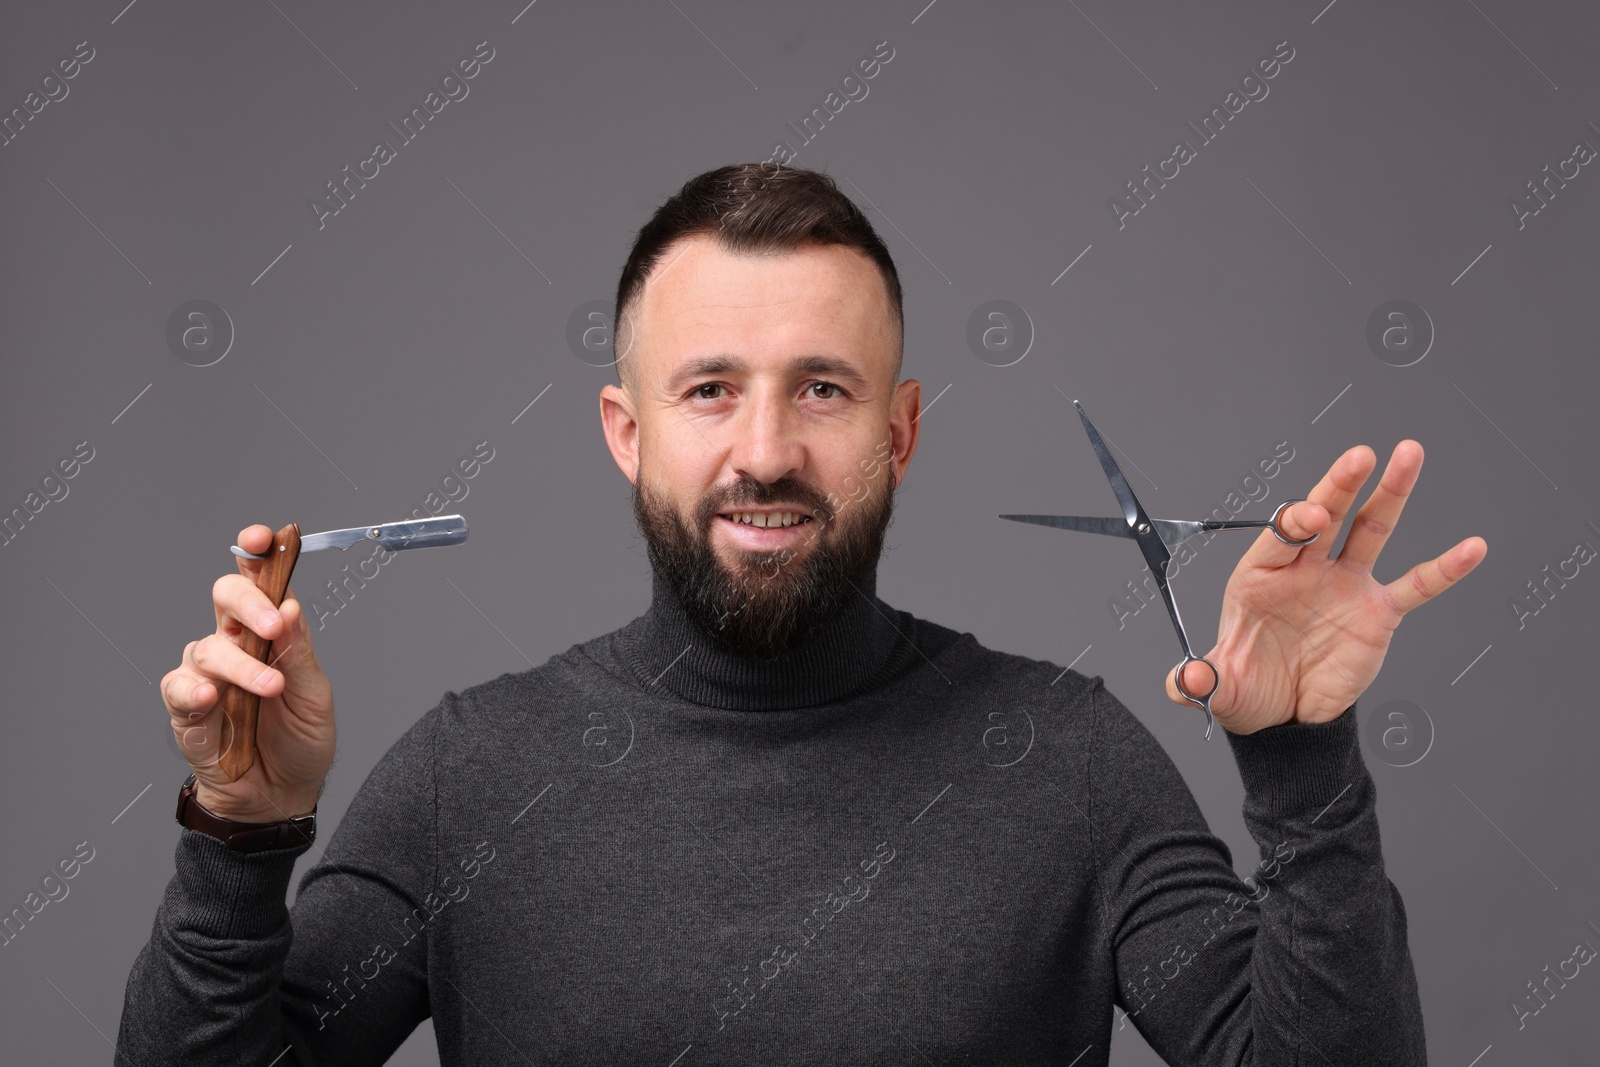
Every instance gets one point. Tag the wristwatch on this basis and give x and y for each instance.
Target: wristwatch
(243, 836)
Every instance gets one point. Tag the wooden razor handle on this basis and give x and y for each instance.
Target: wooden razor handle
(240, 706)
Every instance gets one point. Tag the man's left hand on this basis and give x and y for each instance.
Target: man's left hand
(1303, 635)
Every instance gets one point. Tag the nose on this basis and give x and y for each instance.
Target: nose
(768, 443)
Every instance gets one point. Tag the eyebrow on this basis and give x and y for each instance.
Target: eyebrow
(828, 366)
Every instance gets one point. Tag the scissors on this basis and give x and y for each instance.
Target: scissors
(1156, 538)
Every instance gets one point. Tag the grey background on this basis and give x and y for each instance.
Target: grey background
(1227, 316)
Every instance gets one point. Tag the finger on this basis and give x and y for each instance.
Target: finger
(1198, 678)
(240, 602)
(292, 652)
(1336, 492)
(192, 709)
(1430, 578)
(185, 691)
(220, 661)
(257, 539)
(199, 737)
(1378, 516)
(1298, 521)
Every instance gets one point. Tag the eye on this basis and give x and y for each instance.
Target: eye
(699, 391)
(827, 385)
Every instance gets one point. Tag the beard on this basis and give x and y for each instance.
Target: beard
(767, 602)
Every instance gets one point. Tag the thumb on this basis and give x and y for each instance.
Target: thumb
(1198, 678)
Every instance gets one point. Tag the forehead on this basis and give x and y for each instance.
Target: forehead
(702, 299)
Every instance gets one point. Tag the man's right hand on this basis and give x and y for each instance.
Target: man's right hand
(294, 729)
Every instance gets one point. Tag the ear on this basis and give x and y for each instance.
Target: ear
(620, 423)
(905, 422)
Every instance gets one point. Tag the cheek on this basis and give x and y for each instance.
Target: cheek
(846, 467)
(681, 493)
(678, 465)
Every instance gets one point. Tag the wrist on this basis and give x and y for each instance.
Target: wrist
(259, 807)
(244, 830)
(1297, 767)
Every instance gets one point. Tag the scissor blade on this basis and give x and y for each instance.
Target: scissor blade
(1173, 531)
(1119, 484)
(414, 533)
(1081, 523)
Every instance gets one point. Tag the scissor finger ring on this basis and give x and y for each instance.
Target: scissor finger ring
(1276, 532)
(1199, 700)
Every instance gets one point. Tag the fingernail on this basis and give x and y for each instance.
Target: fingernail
(261, 679)
(266, 619)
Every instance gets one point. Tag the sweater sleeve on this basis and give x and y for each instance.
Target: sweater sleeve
(1302, 962)
(231, 976)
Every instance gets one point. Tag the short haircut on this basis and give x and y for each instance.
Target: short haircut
(753, 208)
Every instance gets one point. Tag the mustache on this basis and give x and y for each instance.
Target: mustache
(787, 492)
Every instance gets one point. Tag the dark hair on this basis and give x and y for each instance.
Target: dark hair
(754, 208)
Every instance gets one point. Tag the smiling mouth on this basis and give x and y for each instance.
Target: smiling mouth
(767, 520)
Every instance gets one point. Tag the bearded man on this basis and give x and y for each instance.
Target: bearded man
(794, 845)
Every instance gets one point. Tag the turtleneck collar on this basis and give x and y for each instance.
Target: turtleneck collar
(866, 644)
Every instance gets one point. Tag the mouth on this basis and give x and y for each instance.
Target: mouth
(765, 528)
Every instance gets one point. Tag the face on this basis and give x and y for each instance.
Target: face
(762, 433)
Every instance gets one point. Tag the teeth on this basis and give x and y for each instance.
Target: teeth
(768, 521)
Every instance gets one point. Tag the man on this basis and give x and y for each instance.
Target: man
(759, 823)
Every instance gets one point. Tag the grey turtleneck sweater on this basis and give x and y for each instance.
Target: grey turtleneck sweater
(891, 845)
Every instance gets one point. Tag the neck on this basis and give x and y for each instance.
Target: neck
(865, 644)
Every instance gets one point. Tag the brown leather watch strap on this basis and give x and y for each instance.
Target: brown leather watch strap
(244, 836)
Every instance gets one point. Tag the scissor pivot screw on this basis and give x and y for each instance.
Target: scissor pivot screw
(1144, 527)
(376, 530)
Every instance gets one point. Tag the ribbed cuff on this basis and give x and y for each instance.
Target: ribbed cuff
(1298, 766)
(226, 894)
